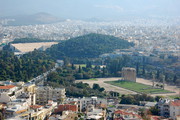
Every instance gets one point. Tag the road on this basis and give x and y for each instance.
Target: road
(109, 87)
(39, 80)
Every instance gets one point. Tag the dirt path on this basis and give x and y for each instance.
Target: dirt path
(109, 87)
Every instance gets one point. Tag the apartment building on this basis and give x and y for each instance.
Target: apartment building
(163, 106)
(174, 109)
(126, 115)
(66, 107)
(45, 93)
(9, 93)
(169, 108)
(84, 102)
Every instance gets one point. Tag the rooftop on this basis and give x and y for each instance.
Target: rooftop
(35, 106)
(175, 103)
(126, 113)
(7, 87)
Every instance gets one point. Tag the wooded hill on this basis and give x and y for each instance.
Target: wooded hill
(24, 68)
(88, 46)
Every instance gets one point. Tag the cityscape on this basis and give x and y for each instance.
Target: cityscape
(93, 60)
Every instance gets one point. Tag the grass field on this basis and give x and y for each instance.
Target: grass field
(82, 65)
(93, 79)
(174, 96)
(137, 87)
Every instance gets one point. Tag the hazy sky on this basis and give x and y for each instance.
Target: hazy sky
(91, 8)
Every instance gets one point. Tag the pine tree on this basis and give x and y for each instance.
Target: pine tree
(80, 69)
(137, 68)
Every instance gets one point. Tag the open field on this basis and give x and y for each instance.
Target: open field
(109, 87)
(174, 96)
(93, 79)
(106, 86)
(82, 65)
(137, 87)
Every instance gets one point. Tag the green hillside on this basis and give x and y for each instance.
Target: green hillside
(24, 68)
(88, 46)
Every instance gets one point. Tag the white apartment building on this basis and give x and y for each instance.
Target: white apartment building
(175, 109)
(163, 106)
(84, 102)
(45, 93)
(8, 89)
(169, 108)
(18, 105)
(9, 93)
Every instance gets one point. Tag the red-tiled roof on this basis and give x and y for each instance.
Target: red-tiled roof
(155, 117)
(72, 102)
(7, 87)
(35, 106)
(66, 107)
(175, 103)
(102, 105)
(118, 119)
(126, 113)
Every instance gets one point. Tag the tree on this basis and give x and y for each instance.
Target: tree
(174, 79)
(72, 66)
(24, 68)
(88, 46)
(137, 68)
(154, 110)
(166, 77)
(143, 113)
(157, 98)
(157, 85)
(127, 100)
(80, 69)
(104, 72)
(101, 89)
(157, 74)
(96, 86)
(78, 76)
(143, 72)
(88, 65)
(66, 61)
(87, 75)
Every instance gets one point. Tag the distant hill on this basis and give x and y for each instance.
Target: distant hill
(39, 18)
(88, 46)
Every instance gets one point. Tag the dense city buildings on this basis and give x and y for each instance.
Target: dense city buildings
(148, 37)
(34, 100)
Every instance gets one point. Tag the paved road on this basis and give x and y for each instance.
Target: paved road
(109, 87)
(39, 80)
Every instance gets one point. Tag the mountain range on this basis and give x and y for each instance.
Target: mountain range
(38, 18)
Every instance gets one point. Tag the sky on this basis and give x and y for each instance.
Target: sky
(84, 9)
